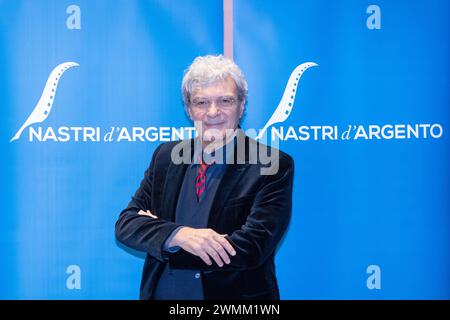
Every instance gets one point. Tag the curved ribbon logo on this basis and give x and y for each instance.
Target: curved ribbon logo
(45, 103)
(284, 108)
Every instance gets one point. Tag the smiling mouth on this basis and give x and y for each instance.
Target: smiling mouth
(213, 124)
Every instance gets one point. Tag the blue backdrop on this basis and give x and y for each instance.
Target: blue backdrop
(371, 212)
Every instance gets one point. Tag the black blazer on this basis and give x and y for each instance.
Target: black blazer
(253, 209)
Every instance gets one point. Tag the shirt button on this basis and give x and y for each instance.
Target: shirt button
(197, 275)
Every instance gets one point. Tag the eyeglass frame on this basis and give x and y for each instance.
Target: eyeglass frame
(210, 101)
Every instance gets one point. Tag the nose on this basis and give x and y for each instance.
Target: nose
(213, 110)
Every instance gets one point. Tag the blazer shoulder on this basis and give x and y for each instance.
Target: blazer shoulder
(163, 153)
(166, 147)
(285, 159)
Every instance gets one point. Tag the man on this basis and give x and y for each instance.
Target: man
(210, 227)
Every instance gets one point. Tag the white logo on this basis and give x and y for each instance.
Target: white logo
(284, 108)
(73, 281)
(374, 280)
(45, 103)
(355, 132)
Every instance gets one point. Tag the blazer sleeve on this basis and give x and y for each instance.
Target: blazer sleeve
(266, 223)
(144, 233)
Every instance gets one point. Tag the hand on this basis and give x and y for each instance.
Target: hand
(147, 213)
(204, 243)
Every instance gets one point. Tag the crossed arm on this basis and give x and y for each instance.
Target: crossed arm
(245, 248)
(204, 243)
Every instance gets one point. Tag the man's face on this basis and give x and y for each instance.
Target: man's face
(216, 107)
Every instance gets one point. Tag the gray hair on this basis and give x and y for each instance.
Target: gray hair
(208, 69)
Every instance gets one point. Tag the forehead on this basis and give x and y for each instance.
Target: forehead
(217, 88)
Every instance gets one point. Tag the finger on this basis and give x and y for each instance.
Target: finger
(213, 254)
(152, 215)
(147, 213)
(197, 250)
(221, 251)
(205, 258)
(142, 213)
(225, 244)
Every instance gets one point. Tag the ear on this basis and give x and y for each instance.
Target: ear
(241, 109)
(189, 112)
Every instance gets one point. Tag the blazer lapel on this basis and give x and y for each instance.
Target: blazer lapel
(172, 185)
(233, 173)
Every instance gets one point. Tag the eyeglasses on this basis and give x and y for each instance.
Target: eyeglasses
(203, 104)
